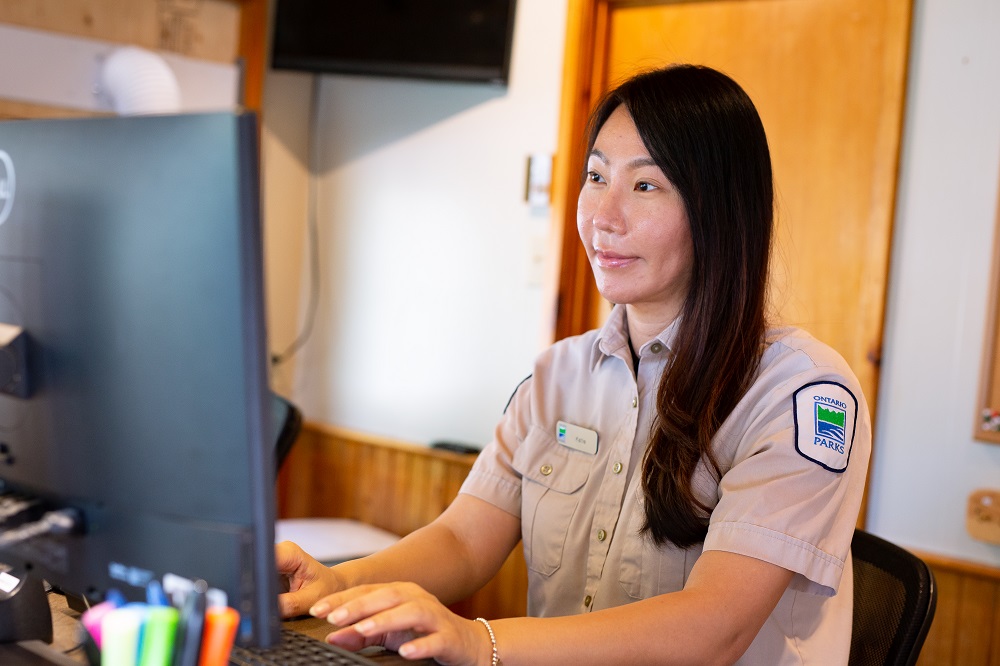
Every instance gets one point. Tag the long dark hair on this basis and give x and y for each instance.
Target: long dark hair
(704, 133)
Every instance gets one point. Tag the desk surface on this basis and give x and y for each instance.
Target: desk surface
(65, 651)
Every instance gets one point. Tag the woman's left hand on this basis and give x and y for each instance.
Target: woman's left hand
(405, 618)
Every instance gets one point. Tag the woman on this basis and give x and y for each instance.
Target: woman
(685, 481)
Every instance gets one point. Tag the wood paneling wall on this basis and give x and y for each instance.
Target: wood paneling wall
(401, 487)
(393, 485)
(966, 628)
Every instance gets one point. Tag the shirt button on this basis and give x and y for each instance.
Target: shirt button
(635, 402)
(617, 468)
(601, 535)
(587, 601)
(656, 348)
(545, 470)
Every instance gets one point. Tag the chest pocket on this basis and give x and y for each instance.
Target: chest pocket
(552, 479)
(647, 569)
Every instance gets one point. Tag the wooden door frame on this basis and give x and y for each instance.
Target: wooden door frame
(255, 19)
(576, 296)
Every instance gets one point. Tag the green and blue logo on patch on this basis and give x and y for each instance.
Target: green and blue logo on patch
(831, 419)
(826, 418)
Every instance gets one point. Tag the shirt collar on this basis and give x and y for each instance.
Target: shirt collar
(612, 339)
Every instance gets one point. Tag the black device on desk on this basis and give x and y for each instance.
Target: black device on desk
(134, 399)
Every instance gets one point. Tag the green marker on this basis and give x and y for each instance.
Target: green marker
(158, 636)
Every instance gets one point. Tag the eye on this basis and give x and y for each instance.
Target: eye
(594, 177)
(643, 186)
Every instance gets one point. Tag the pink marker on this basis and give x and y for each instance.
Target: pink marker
(92, 617)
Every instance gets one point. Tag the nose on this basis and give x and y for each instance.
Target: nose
(607, 214)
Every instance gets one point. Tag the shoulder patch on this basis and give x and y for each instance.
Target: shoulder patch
(826, 416)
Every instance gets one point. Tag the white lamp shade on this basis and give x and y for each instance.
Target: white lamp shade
(139, 82)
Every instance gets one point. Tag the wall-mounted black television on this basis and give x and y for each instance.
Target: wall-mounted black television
(454, 40)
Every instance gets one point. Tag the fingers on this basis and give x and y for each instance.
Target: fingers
(351, 605)
(351, 640)
(403, 617)
(288, 557)
(397, 627)
(304, 580)
(426, 647)
(292, 604)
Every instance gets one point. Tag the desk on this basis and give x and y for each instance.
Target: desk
(65, 637)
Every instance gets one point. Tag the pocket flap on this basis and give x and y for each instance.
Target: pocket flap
(543, 460)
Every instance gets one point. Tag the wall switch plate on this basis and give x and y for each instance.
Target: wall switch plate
(538, 186)
(982, 518)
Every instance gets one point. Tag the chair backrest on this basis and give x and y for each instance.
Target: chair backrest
(287, 419)
(894, 600)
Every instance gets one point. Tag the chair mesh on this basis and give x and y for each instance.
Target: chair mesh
(878, 614)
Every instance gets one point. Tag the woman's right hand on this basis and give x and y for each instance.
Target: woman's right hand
(305, 579)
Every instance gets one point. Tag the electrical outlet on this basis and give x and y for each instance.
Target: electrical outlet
(982, 518)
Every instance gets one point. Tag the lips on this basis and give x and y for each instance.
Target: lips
(606, 259)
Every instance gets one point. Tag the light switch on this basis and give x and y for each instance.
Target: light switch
(538, 186)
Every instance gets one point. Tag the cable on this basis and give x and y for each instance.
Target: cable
(313, 224)
(12, 506)
(62, 521)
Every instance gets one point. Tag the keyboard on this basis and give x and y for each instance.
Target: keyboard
(296, 648)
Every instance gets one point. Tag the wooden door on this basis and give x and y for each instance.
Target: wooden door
(828, 79)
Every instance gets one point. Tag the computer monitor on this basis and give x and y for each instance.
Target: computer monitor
(134, 385)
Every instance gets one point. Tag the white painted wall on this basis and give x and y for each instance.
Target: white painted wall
(285, 143)
(432, 307)
(926, 462)
(428, 319)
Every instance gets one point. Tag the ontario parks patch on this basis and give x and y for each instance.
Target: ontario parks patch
(826, 416)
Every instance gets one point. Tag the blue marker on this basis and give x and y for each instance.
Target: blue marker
(155, 596)
(115, 597)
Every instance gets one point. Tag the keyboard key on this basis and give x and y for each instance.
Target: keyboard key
(295, 649)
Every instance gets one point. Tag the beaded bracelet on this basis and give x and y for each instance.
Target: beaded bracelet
(493, 639)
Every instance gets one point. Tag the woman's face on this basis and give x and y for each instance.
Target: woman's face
(633, 224)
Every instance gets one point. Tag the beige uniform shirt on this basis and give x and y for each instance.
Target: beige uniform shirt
(794, 455)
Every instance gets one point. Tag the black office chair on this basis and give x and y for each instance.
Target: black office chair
(894, 600)
(287, 420)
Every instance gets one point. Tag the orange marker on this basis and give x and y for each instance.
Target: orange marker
(218, 635)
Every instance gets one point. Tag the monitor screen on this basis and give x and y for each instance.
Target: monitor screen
(137, 390)
(463, 40)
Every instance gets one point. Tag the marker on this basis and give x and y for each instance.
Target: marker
(155, 596)
(92, 618)
(158, 636)
(115, 597)
(190, 626)
(120, 636)
(217, 638)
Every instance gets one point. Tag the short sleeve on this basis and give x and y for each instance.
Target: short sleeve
(493, 478)
(796, 456)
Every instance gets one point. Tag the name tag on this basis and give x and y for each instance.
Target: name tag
(576, 437)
